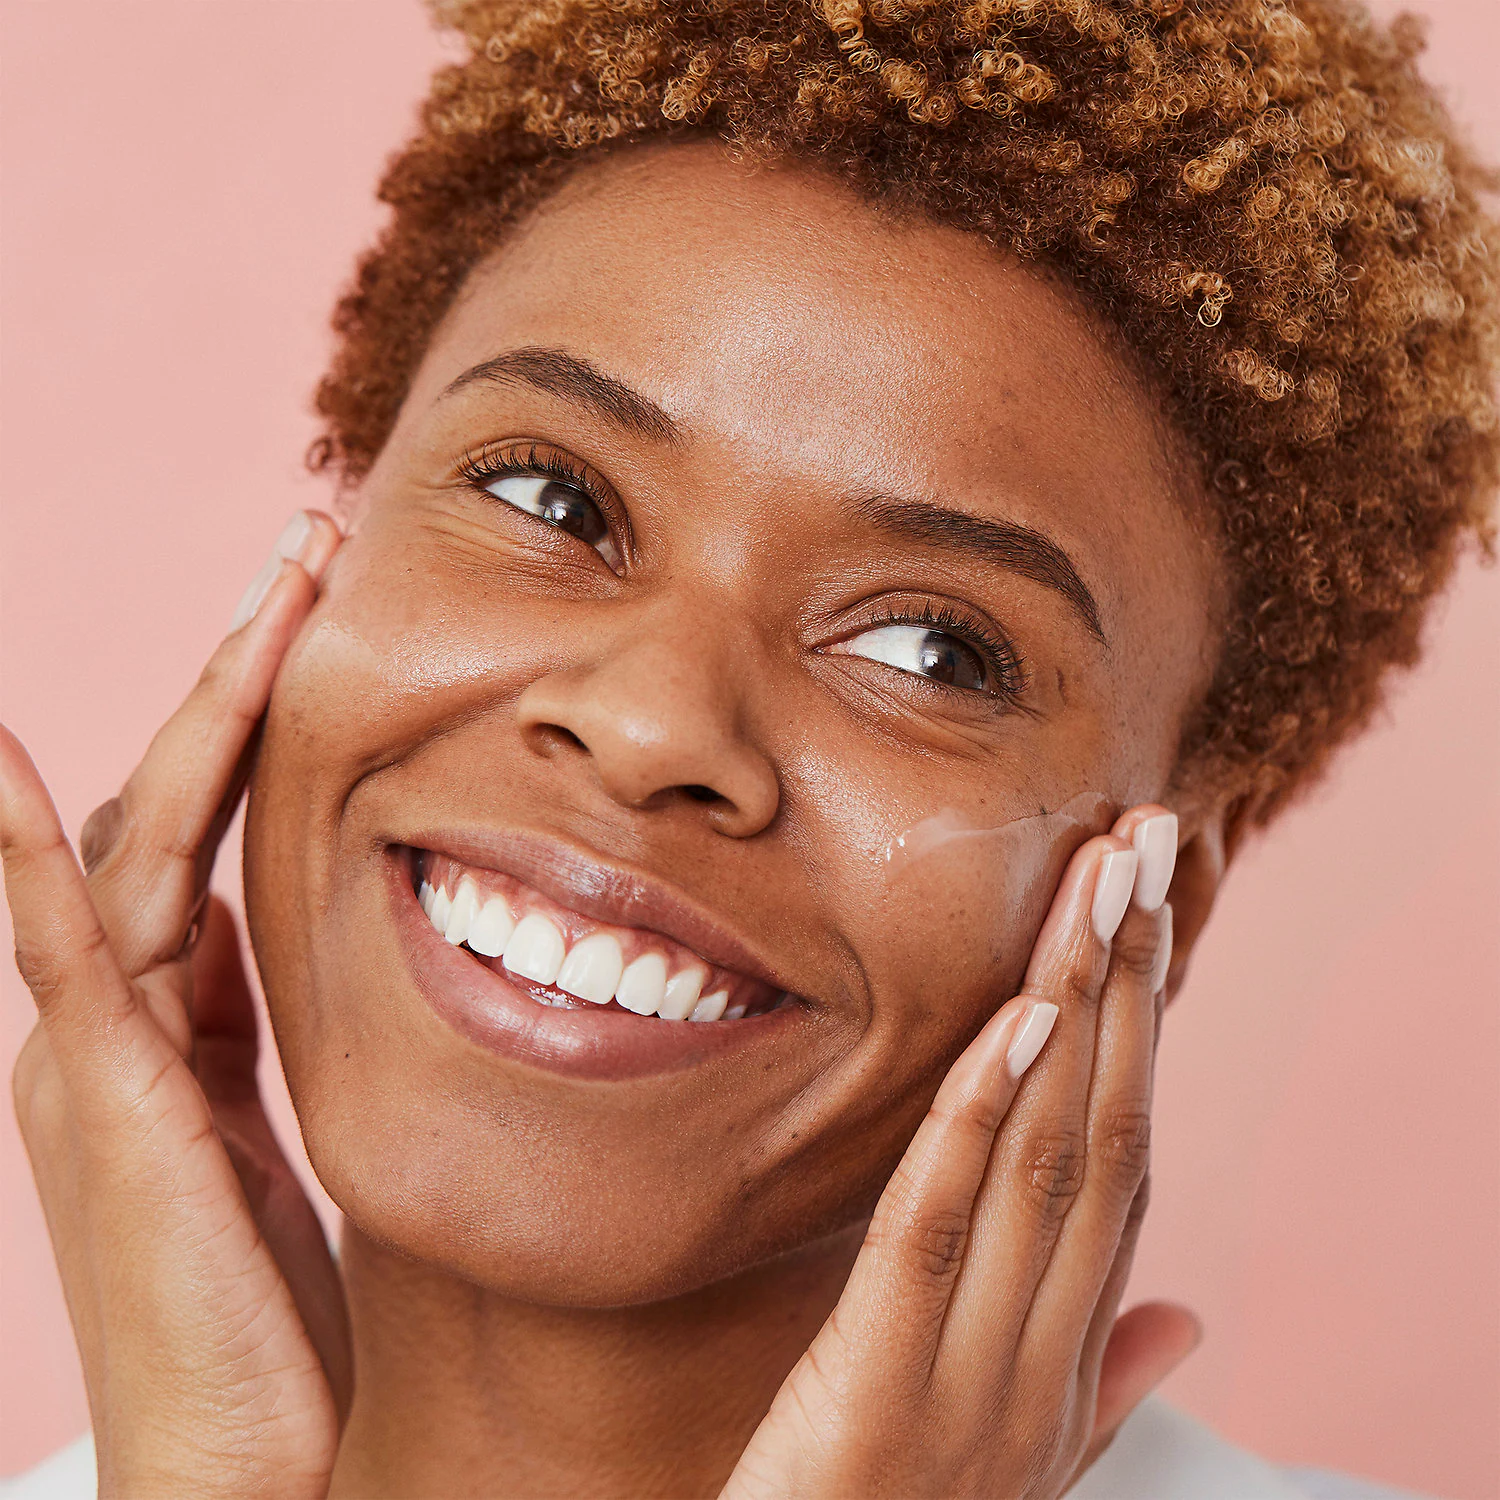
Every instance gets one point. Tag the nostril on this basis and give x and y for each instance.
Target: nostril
(702, 793)
(556, 737)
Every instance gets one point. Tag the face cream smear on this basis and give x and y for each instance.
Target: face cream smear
(1007, 861)
(942, 829)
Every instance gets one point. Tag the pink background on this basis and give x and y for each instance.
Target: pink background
(186, 183)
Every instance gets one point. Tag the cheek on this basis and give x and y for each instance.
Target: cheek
(393, 650)
(944, 936)
(943, 875)
(386, 660)
(942, 903)
(410, 638)
(961, 908)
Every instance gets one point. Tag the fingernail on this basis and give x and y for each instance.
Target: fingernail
(1030, 1037)
(295, 535)
(1112, 889)
(1163, 953)
(1155, 841)
(289, 547)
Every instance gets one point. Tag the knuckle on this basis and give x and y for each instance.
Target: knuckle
(935, 1240)
(973, 1122)
(40, 971)
(101, 832)
(1080, 986)
(131, 821)
(1123, 1146)
(1134, 950)
(49, 973)
(1079, 990)
(1052, 1174)
(150, 828)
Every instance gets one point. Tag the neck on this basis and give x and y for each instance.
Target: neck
(460, 1391)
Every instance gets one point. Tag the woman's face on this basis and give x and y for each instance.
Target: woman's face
(731, 531)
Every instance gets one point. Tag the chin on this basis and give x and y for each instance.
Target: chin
(595, 1239)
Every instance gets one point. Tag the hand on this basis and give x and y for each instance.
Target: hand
(208, 1311)
(975, 1350)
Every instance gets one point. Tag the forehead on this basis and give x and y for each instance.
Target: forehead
(738, 288)
(792, 327)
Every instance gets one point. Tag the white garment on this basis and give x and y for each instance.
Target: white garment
(1158, 1454)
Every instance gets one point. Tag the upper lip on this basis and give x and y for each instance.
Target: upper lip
(602, 890)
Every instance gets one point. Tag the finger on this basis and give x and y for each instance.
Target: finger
(1079, 1291)
(1117, 1147)
(1152, 831)
(1108, 1306)
(893, 1305)
(226, 1040)
(294, 1234)
(62, 951)
(100, 830)
(151, 857)
(1037, 1166)
(225, 1037)
(1085, 1277)
(1144, 1347)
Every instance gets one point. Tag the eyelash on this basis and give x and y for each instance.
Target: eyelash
(494, 462)
(999, 653)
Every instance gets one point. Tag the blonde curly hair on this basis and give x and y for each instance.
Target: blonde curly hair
(1263, 196)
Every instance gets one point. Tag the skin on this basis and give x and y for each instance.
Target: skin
(562, 1285)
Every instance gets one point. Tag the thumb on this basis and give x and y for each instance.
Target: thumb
(1145, 1346)
(225, 1034)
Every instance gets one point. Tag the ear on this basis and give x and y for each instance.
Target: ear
(1211, 839)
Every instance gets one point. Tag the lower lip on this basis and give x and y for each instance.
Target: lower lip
(599, 1043)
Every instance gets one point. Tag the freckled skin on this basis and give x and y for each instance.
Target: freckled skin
(468, 661)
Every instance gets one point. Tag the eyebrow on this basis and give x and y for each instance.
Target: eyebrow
(1020, 549)
(575, 379)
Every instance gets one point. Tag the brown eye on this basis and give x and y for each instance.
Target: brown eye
(561, 505)
(924, 652)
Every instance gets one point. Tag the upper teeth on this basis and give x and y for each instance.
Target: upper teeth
(594, 969)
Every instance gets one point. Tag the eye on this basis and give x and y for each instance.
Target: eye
(559, 504)
(923, 651)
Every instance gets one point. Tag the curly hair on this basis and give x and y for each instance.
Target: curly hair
(1262, 196)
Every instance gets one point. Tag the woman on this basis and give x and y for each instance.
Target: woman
(853, 514)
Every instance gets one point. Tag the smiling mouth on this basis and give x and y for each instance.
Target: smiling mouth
(563, 959)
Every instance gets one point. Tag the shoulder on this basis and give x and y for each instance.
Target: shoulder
(68, 1475)
(1164, 1454)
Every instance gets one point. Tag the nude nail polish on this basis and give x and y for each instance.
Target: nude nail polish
(1112, 888)
(1155, 841)
(290, 546)
(1163, 963)
(1030, 1036)
(295, 535)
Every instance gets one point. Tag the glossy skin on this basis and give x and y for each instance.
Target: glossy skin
(568, 1284)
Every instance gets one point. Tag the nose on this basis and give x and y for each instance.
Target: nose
(660, 723)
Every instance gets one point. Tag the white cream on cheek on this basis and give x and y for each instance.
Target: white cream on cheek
(942, 829)
(999, 869)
